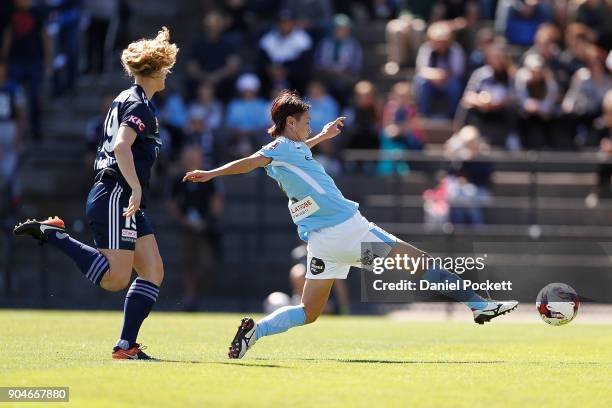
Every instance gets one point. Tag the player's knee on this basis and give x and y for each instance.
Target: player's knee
(154, 272)
(115, 281)
(159, 273)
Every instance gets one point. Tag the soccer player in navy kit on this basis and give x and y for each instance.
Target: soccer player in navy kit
(123, 235)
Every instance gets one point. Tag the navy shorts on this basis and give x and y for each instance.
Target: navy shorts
(106, 203)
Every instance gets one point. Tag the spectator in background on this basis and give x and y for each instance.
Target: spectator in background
(443, 10)
(338, 59)
(208, 103)
(537, 92)
(467, 27)
(313, 16)
(518, 20)
(401, 129)
(173, 117)
(247, 117)
(477, 58)
(94, 130)
(196, 208)
(468, 183)
(363, 118)
(286, 53)
(199, 133)
(440, 67)
(603, 127)
(213, 58)
(403, 35)
(101, 33)
(488, 102)
(28, 49)
(237, 25)
(323, 109)
(546, 44)
(583, 101)
(597, 15)
(573, 57)
(67, 19)
(12, 118)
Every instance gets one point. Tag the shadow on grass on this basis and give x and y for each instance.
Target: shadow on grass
(254, 362)
(377, 361)
(236, 363)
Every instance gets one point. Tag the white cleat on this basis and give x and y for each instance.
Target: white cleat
(244, 338)
(493, 309)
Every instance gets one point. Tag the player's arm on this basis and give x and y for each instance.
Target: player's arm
(332, 129)
(123, 154)
(240, 166)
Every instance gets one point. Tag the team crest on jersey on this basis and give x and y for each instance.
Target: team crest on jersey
(137, 121)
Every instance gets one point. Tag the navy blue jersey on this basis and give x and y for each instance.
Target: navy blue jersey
(131, 108)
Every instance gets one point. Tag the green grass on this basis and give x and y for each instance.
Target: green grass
(339, 361)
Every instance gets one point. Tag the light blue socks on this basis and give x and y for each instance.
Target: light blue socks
(280, 321)
(467, 296)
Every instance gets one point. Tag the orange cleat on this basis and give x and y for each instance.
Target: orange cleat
(134, 353)
(39, 229)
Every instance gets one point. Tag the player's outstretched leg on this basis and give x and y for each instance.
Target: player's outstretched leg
(89, 260)
(483, 309)
(314, 298)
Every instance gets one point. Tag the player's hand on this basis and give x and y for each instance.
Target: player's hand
(332, 129)
(134, 203)
(198, 176)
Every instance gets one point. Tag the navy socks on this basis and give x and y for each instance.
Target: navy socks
(89, 260)
(139, 301)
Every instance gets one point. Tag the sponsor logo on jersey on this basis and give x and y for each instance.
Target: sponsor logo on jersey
(317, 266)
(303, 208)
(130, 234)
(273, 145)
(308, 158)
(137, 121)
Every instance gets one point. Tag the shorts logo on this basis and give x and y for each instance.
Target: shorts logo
(137, 121)
(317, 266)
(125, 233)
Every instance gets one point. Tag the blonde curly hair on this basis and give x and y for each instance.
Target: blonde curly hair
(150, 57)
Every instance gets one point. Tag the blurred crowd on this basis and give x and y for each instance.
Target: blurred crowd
(503, 74)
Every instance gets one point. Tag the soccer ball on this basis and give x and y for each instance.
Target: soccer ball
(276, 300)
(557, 304)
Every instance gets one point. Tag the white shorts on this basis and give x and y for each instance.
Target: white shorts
(333, 250)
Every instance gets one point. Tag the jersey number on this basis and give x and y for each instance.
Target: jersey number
(111, 128)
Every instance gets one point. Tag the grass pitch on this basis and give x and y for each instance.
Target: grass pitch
(338, 361)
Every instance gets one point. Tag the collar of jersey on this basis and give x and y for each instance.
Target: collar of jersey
(141, 92)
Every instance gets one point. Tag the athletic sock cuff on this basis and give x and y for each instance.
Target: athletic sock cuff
(144, 288)
(97, 269)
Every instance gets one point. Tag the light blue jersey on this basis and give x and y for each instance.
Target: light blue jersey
(314, 200)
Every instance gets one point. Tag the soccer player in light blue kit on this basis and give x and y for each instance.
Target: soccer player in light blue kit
(331, 224)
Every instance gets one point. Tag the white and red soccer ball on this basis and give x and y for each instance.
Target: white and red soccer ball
(557, 304)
